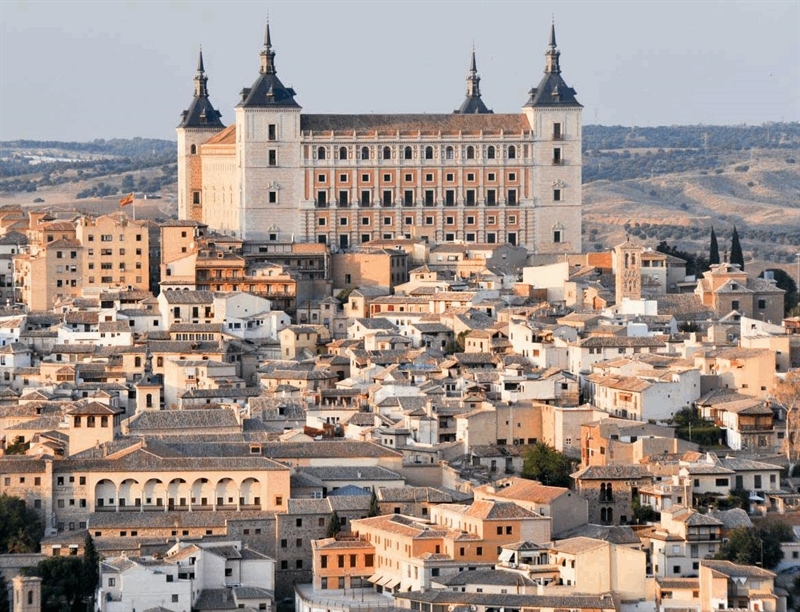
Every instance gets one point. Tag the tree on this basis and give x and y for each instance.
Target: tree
(785, 281)
(547, 465)
(62, 584)
(787, 394)
(334, 525)
(20, 527)
(374, 509)
(713, 255)
(737, 256)
(756, 545)
(91, 567)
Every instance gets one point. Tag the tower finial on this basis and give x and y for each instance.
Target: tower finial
(552, 54)
(473, 67)
(267, 54)
(200, 65)
(200, 78)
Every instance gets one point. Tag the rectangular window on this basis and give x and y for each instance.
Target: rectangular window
(428, 220)
(272, 132)
(556, 195)
(408, 197)
(387, 197)
(557, 237)
(344, 198)
(557, 160)
(450, 197)
(273, 197)
(556, 131)
(470, 197)
(322, 199)
(762, 304)
(273, 157)
(491, 197)
(365, 220)
(408, 220)
(429, 197)
(387, 220)
(365, 198)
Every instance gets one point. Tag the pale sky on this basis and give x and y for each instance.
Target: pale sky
(82, 70)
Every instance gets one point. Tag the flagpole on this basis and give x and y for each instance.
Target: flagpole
(133, 206)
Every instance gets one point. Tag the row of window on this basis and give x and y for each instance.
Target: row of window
(448, 220)
(409, 198)
(428, 152)
(110, 237)
(490, 237)
(388, 178)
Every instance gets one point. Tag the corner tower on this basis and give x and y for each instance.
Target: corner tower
(554, 115)
(268, 155)
(198, 123)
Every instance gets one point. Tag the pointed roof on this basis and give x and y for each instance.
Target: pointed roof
(472, 103)
(552, 89)
(268, 89)
(201, 113)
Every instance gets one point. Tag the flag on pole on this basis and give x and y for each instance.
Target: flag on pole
(128, 199)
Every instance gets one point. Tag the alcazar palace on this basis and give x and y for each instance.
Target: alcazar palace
(277, 174)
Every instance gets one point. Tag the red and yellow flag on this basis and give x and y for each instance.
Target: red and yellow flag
(128, 199)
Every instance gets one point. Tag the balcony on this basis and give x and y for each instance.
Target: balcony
(321, 204)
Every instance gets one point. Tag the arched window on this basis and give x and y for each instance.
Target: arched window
(512, 152)
(364, 152)
(448, 153)
(428, 152)
(321, 153)
(387, 153)
(193, 150)
(470, 152)
(148, 400)
(342, 152)
(407, 153)
(610, 516)
(490, 153)
(603, 514)
(602, 491)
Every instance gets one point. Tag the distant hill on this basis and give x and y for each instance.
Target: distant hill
(675, 183)
(663, 183)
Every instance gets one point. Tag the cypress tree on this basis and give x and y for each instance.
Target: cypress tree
(737, 257)
(713, 255)
(374, 508)
(334, 525)
(91, 567)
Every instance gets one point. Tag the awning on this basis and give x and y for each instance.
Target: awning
(375, 578)
(393, 582)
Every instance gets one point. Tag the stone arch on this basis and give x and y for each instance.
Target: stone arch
(130, 493)
(105, 493)
(250, 492)
(321, 153)
(153, 493)
(512, 152)
(202, 494)
(490, 152)
(226, 493)
(178, 493)
(470, 152)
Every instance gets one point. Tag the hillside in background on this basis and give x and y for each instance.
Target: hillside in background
(657, 184)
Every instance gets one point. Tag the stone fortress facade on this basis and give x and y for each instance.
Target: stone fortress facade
(279, 175)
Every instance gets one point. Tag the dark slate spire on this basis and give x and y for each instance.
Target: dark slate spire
(201, 113)
(268, 89)
(267, 54)
(552, 90)
(473, 104)
(200, 78)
